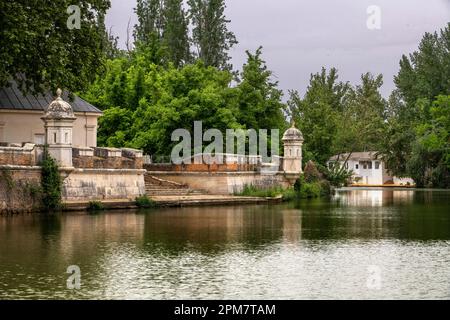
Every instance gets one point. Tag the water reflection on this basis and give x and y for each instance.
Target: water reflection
(310, 249)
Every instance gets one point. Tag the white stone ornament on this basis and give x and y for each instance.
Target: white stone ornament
(59, 108)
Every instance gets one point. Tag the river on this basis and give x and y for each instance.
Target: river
(360, 244)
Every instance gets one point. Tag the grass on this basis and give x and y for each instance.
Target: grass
(95, 206)
(145, 202)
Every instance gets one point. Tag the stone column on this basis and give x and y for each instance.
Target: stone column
(292, 142)
(58, 122)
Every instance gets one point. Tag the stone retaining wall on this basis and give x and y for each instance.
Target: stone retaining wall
(100, 184)
(19, 188)
(223, 182)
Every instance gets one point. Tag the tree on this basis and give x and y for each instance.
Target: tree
(317, 113)
(426, 73)
(211, 36)
(39, 51)
(416, 139)
(150, 21)
(361, 123)
(260, 105)
(175, 33)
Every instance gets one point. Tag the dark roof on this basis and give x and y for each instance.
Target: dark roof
(12, 98)
(357, 156)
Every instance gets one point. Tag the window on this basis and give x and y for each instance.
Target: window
(66, 137)
(377, 165)
(54, 137)
(369, 164)
(356, 166)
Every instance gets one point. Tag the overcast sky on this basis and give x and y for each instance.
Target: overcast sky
(299, 37)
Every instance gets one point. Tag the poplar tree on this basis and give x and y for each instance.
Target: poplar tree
(210, 33)
(175, 32)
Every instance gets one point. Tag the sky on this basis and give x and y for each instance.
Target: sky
(299, 37)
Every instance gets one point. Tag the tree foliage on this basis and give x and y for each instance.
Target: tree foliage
(39, 51)
(211, 37)
(144, 103)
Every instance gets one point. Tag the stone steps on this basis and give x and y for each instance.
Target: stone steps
(158, 187)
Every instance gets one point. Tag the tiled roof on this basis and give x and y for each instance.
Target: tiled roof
(12, 98)
(357, 156)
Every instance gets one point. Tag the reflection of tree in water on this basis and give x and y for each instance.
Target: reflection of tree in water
(212, 229)
(377, 214)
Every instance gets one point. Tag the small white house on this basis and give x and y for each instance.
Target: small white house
(368, 169)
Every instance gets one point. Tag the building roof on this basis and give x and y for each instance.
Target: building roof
(12, 98)
(357, 156)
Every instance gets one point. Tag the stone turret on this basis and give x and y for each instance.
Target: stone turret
(292, 142)
(58, 122)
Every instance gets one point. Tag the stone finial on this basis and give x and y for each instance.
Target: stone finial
(59, 109)
(292, 134)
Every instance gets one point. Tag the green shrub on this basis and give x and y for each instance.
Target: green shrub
(311, 173)
(250, 190)
(145, 202)
(51, 183)
(95, 206)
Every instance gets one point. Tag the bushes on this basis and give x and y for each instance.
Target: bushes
(145, 202)
(95, 206)
(50, 183)
(250, 190)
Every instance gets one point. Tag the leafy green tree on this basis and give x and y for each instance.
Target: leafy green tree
(211, 36)
(39, 51)
(317, 113)
(415, 142)
(260, 104)
(361, 123)
(175, 33)
(150, 21)
(426, 72)
(429, 164)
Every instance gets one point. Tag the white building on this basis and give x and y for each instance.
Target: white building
(20, 118)
(368, 169)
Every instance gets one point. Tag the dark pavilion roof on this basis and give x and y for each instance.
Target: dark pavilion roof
(11, 98)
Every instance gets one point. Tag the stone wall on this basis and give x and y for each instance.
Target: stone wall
(100, 184)
(226, 167)
(17, 155)
(19, 188)
(223, 182)
(107, 158)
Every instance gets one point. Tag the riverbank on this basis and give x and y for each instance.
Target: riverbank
(174, 201)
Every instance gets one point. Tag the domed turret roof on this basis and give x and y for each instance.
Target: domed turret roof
(59, 109)
(293, 134)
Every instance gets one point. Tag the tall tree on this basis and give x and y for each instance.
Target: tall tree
(426, 73)
(211, 36)
(361, 124)
(175, 33)
(260, 104)
(150, 20)
(416, 140)
(317, 113)
(39, 51)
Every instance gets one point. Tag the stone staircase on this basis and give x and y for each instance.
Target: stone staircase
(158, 187)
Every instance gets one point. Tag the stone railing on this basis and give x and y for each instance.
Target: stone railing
(107, 158)
(219, 163)
(15, 155)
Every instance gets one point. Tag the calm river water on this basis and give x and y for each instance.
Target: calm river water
(361, 244)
